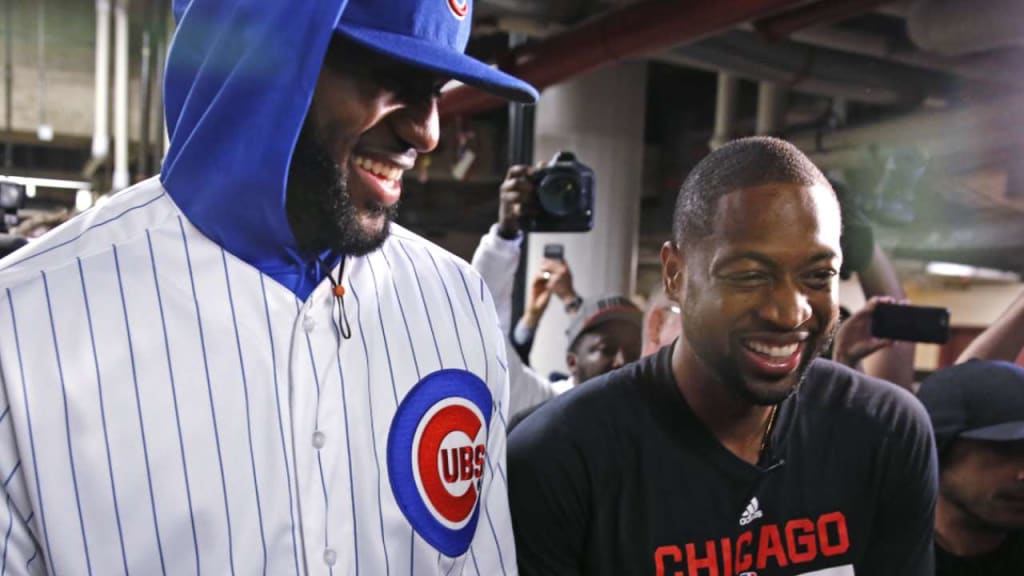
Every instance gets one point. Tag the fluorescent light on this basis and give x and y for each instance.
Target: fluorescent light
(964, 271)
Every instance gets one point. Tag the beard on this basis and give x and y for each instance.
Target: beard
(320, 210)
(726, 370)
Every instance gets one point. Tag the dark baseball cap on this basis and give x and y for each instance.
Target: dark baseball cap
(595, 312)
(978, 400)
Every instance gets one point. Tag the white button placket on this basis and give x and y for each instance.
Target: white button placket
(309, 439)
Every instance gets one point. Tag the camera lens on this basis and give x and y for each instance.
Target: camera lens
(559, 194)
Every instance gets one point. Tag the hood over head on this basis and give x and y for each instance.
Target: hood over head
(239, 80)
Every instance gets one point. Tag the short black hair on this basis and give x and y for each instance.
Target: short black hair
(742, 163)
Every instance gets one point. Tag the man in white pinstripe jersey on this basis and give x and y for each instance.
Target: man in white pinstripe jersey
(240, 367)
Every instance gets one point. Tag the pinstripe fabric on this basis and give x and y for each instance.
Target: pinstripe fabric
(162, 403)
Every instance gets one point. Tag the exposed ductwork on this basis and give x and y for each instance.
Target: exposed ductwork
(823, 12)
(634, 30)
(812, 70)
(961, 138)
(996, 69)
(955, 27)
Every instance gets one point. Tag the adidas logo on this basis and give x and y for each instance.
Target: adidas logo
(751, 513)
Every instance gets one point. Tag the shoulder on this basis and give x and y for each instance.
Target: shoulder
(402, 238)
(424, 256)
(846, 396)
(605, 409)
(125, 217)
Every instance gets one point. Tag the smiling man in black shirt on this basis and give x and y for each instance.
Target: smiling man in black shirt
(733, 452)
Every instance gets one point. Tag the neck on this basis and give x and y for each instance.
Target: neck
(738, 425)
(960, 534)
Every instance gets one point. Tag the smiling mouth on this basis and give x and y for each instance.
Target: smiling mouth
(382, 170)
(773, 352)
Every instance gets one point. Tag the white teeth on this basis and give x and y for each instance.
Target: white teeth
(378, 169)
(773, 351)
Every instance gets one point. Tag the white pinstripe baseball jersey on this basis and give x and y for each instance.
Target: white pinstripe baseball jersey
(169, 409)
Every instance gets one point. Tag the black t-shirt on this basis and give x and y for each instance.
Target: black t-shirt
(620, 477)
(1006, 560)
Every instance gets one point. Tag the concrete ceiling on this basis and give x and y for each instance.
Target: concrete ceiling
(971, 151)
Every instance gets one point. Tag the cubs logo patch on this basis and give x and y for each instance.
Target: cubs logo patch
(459, 8)
(437, 451)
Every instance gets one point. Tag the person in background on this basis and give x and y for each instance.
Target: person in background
(1003, 340)
(554, 278)
(662, 322)
(854, 345)
(977, 412)
(593, 345)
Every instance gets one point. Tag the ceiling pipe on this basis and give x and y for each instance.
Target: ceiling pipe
(990, 68)
(771, 109)
(8, 86)
(812, 70)
(954, 27)
(634, 30)
(725, 109)
(121, 178)
(822, 12)
(101, 103)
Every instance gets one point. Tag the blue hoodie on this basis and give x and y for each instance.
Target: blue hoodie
(240, 78)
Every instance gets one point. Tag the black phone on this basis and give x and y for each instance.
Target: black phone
(910, 323)
(554, 251)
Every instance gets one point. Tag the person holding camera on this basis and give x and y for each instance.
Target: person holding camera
(607, 344)
(736, 450)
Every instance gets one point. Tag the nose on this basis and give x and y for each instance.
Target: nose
(787, 306)
(620, 358)
(418, 124)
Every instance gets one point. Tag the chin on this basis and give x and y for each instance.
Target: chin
(767, 393)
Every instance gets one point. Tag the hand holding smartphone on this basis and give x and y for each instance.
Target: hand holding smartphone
(554, 251)
(910, 323)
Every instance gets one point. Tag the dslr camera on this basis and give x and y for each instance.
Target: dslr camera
(12, 199)
(563, 198)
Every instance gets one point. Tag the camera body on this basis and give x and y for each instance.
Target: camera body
(563, 198)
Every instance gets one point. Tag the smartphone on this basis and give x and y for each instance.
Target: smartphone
(554, 251)
(910, 323)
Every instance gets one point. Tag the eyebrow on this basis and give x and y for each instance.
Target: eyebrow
(768, 262)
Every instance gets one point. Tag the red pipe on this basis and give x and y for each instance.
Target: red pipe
(824, 12)
(636, 29)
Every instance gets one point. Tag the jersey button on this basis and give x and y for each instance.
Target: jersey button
(330, 556)
(319, 439)
(308, 323)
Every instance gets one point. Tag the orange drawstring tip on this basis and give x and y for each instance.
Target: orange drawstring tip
(339, 290)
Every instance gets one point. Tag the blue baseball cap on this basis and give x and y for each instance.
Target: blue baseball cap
(429, 34)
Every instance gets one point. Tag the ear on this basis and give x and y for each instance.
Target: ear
(570, 361)
(673, 268)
